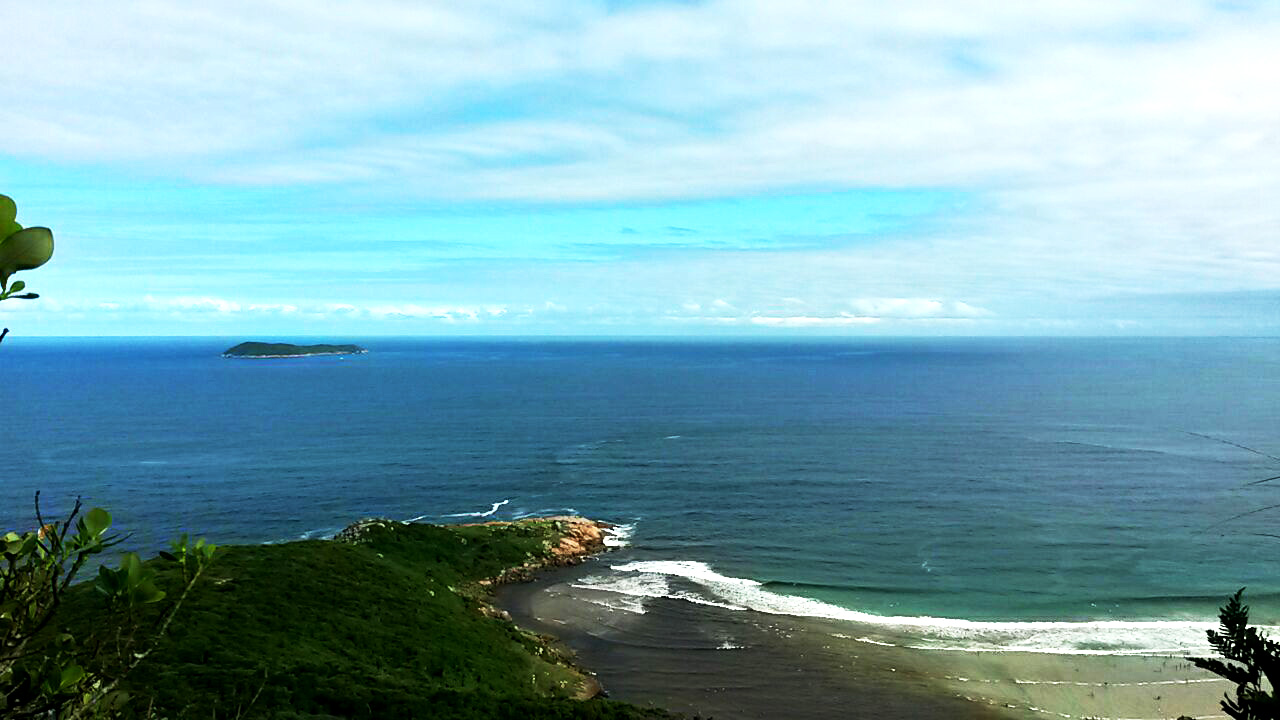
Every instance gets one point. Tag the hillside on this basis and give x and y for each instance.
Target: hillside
(394, 624)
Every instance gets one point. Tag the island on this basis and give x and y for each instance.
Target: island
(261, 350)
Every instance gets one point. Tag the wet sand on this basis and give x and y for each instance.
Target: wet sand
(712, 661)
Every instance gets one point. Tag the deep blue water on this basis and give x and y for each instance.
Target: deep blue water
(985, 479)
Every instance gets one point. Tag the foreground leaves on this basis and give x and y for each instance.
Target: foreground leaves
(1249, 658)
(57, 675)
(20, 249)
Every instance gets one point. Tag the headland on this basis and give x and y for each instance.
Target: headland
(388, 619)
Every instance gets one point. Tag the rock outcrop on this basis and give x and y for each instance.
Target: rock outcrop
(355, 532)
(580, 538)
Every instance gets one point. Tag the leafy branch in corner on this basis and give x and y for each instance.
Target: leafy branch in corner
(48, 674)
(20, 249)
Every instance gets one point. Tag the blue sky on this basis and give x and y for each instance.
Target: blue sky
(682, 168)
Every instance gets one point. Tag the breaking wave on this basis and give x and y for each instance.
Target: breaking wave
(490, 512)
(636, 583)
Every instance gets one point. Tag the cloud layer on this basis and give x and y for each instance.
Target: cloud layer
(1108, 150)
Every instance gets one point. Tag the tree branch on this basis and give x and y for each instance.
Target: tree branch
(137, 658)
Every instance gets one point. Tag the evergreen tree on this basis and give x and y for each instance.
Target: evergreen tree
(1249, 659)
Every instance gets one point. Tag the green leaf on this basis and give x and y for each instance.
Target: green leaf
(107, 583)
(8, 209)
(25, 250)
(8, 228)
(17, 287)
(148, 593)
(97, 520)
(131, 565)
(71, 675)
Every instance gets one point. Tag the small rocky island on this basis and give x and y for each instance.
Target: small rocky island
(261, 350)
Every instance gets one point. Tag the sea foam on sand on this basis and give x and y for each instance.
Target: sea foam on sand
(697, 582)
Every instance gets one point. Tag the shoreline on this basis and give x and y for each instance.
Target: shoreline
(709, 661)
(692, 657)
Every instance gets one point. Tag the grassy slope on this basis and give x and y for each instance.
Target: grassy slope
(386, 628)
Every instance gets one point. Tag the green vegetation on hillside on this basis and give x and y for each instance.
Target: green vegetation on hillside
(391, 626)
(269, 350)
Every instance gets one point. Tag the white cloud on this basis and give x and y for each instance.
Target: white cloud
(929, 92)
(809, 321)
(190, 304)
(1104, 148)
(1078, 111)
(282, 308)
(339, 308)
(202, 307)
(781, 313)
(446, 313)
(912, 308)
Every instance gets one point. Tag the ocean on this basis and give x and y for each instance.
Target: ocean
(1076, 496)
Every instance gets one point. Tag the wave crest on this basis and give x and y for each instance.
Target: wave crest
(1091, 637)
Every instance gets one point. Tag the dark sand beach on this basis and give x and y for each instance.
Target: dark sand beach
(713, 661)
(717, 662)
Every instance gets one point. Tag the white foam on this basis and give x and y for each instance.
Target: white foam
(633, 589)
(701, 600)
(622, 603)
(321, 533)
(491, 511)
(618, 536)
(869, 641)
(544, 512)
(1094, 637)
(1076, 683)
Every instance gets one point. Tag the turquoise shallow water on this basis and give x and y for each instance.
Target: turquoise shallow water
(984, 480)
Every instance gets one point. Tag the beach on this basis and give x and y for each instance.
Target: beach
(700, 659)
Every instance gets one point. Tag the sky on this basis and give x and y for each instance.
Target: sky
(746, 167)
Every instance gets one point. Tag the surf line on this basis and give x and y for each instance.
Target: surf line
(492, 510)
